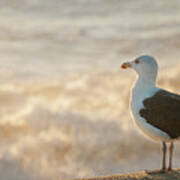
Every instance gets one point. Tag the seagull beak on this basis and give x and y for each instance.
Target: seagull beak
(126, 65)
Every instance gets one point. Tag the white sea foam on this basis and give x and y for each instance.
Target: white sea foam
(78, 127)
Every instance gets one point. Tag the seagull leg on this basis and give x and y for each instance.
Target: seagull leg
(171, 147)
(163, 169)
(164, 148)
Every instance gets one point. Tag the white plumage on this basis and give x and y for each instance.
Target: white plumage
(142, 90)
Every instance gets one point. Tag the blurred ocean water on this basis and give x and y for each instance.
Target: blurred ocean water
(50, 37)
(63, 98)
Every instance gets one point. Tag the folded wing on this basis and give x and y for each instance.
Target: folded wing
(163, 111)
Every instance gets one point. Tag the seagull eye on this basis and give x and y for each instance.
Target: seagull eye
(137, 61)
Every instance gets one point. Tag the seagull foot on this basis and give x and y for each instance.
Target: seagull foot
(169, 169)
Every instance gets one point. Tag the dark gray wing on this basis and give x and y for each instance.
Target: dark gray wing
(163, 111)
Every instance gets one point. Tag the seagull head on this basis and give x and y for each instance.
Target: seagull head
(145, 65)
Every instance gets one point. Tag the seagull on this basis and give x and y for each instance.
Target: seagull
(156, 111)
